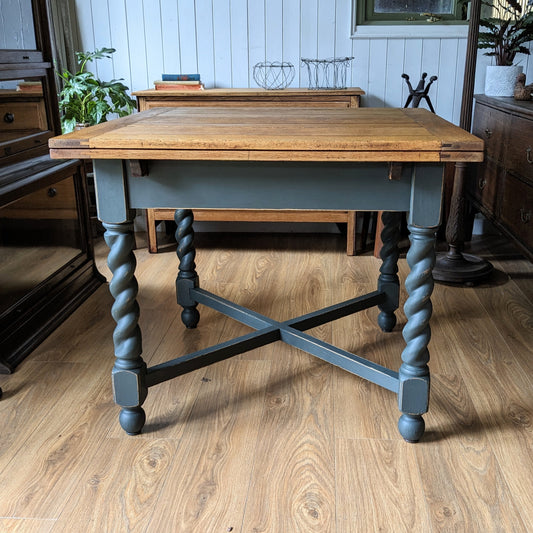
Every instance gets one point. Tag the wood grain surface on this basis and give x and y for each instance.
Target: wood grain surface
(352, 134)
(275, 440)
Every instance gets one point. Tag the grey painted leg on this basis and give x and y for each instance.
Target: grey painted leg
(187, 276)
(129, 372)
(413, 395)
(388, 279)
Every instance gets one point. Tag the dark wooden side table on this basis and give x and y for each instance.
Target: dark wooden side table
(350, 97)
(389, 160)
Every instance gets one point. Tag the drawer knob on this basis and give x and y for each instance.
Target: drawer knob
(481, 183)
(51, 192)
(9, 117)
(488, 133)
(525, 216)
(528, 155)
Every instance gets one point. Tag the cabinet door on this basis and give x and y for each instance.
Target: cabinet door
(39, 234)
(519, 157)
(517, 209)
(492, 126)
(484, 186)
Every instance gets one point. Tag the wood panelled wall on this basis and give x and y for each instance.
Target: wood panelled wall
(224, 39)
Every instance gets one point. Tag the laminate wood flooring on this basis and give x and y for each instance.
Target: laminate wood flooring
(275, 440)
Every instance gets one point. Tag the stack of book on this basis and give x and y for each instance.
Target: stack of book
(179, 82)
(30, 87)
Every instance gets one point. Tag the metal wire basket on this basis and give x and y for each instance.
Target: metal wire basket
(273, 75)
(328, 73)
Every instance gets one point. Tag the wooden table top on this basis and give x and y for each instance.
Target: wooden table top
(246, 92)
(274, 134)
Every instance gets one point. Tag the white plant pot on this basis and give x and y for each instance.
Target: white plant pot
(500, 81)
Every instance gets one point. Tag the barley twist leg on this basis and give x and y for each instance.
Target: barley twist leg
(388, 280)
(413, 395)
(129, 371)
(187, 276)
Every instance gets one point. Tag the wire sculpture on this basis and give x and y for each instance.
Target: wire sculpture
(327, 73)
(273, 75)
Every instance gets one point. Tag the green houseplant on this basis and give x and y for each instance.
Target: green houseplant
(505, 34)
(87, 100)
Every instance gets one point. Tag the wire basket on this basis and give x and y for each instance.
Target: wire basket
(273, 75)
(327, 73)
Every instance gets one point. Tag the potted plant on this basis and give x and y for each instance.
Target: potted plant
(85, 100)
(506, 34)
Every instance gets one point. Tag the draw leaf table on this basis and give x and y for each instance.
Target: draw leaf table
(382, 159)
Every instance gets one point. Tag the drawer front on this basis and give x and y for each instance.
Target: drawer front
(484, 183)
(57, 201)
(491, 126)
(517, 209)
(23, 116)
(519, 157)
(249, 101)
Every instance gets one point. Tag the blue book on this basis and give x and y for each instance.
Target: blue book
(180, 77)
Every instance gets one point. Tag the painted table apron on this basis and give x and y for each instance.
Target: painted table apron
(173, 170)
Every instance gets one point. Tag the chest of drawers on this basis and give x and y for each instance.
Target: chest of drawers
(502, 187)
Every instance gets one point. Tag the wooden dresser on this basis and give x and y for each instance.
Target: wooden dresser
(502, 186)
(252, 97)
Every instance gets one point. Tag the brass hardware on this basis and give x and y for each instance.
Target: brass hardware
(138, 168)
(481, 183)
(525, 216)
(488, 133)
(9, 117)
(528, 155)
(395, 171)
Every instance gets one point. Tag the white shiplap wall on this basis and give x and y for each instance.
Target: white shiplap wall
(16, 26)
(224, 39)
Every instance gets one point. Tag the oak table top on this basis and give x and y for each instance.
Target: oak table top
(273, 134)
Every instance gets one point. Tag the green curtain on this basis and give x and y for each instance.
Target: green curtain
(65, 35)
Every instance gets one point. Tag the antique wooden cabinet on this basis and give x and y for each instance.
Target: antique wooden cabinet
(46, 257)
(502, 187)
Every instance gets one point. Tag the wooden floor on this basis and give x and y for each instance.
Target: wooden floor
(275, 440)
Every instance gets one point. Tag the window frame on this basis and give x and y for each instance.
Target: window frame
(366, 16)
(396, 28)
